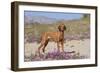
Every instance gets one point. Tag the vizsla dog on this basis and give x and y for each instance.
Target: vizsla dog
(58, 37)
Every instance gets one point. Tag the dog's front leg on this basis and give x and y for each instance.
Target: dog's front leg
(58, 46)
(62, 46)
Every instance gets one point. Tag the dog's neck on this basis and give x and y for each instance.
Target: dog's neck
(62, 33)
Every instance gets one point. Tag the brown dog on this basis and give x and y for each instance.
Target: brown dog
(55, 36)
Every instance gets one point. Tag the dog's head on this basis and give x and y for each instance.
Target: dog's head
(62, 27)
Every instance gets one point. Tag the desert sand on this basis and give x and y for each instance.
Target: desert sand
(81, 47)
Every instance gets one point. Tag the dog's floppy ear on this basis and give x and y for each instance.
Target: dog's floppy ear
(64, 27)
(59, 27)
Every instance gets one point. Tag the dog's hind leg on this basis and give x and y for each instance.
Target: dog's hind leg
(39, 48)
(45, 44)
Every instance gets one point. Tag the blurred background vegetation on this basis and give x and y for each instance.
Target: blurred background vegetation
(75, 29)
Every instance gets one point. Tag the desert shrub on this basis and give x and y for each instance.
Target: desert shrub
(56, 55)
(76, 29)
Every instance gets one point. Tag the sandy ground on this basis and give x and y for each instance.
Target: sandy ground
(80, 46)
